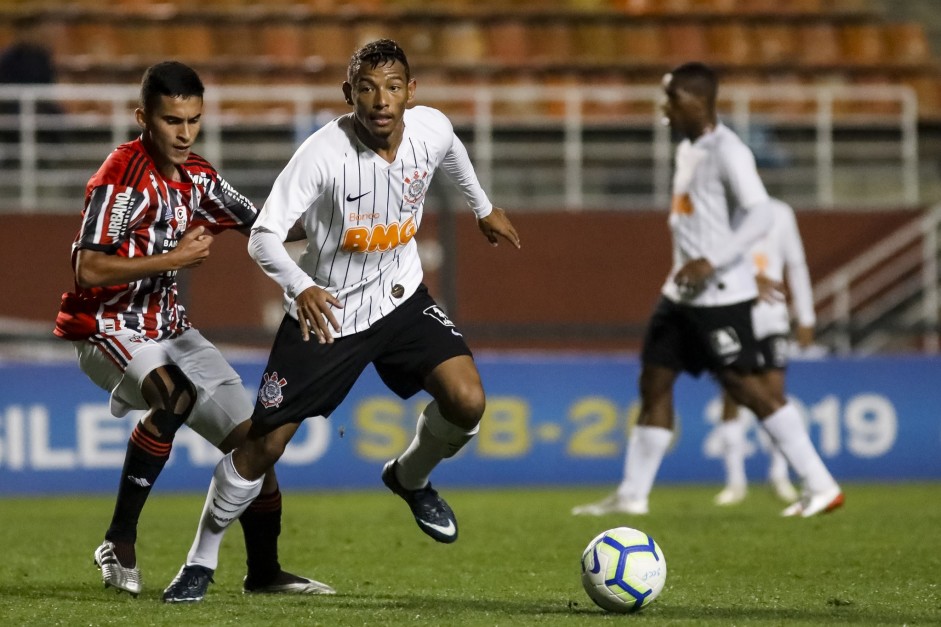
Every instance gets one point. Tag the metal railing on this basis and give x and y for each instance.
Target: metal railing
(897, 277)
(535, 147)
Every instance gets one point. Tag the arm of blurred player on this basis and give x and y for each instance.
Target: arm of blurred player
(798, 279)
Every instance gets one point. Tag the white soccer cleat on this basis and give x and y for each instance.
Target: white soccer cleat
(731, 495)
(814, 504)
(785, 490)
(113, 573)
(612, 504)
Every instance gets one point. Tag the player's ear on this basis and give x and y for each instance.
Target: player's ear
(348, 92)
(412, 84)
(141, 117)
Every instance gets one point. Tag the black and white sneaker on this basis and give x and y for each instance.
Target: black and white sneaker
(189, 586)
(431, 512)
(286, 583)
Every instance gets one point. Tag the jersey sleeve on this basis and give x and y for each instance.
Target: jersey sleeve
(109, 216)
(298, 186)
(740, 175)
(457, 165)
(221, 206)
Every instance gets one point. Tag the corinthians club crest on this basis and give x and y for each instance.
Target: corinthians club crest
(270, 394)
(415, 188)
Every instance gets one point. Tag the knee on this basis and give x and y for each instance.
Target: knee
(464, 405)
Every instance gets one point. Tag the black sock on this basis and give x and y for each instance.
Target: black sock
(145, 459)
(261, 524)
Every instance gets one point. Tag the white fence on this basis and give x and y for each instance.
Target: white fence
(536, 147)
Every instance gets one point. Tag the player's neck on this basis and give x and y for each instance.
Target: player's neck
(386, 147)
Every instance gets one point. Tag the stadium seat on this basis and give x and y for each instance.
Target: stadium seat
(819, 44)
(507, 42)
(862, 44)
(907, 43)
(730, 43)
(774, 44)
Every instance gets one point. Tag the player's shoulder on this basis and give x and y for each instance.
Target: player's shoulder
(728, 145)
(421, 116)
(127, 165)
(334, 137)
(196, 164)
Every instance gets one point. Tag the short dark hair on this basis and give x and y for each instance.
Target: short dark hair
(169, 78)
(697, 78)
(376, 53)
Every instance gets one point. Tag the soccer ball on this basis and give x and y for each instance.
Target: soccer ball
(623, 570)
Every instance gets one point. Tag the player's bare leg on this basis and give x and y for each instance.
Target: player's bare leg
(444, 427)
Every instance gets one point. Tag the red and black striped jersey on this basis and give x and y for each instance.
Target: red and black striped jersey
(133, 211)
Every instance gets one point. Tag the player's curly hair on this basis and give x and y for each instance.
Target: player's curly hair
(697, 78)
(376, 53)
(169, 78)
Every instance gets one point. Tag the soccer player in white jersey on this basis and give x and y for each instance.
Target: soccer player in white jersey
(150, 211)
(703, 319)
(356, 297)
(777, 257)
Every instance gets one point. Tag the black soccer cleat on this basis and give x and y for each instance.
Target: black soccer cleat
(189, 586)
(431, 512)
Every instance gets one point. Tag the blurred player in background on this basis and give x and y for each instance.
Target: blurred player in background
(358, 184)
(150, 211)
(703, 321)
(779, 255)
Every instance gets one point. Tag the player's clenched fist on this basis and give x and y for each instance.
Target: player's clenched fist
(193, 248)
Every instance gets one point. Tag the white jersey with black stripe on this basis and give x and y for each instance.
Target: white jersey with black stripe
(715, 184)
(361, 213)
(779, 256)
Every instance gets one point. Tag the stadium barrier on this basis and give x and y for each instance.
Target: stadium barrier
(552, 419)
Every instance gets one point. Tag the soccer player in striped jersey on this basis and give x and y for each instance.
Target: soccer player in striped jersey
(356, 297)
(776, 257)
(703, 320)
(150, 211)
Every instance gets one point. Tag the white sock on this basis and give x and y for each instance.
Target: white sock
(777, 465)
(732, 436)
(229, 496)
(645, 450)
(435, 439)
(789, 434)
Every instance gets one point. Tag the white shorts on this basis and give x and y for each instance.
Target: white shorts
(119, 361)
(770, 319)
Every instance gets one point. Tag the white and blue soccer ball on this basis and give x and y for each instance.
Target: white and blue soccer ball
(623, 570)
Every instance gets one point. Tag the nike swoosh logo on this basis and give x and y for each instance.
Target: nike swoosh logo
(447, 530)
(351, 198)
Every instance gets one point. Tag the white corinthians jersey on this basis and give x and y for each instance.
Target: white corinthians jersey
(778, 251)
(715, 183)
(361, 213)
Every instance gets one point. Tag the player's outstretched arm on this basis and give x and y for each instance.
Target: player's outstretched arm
(496, 225)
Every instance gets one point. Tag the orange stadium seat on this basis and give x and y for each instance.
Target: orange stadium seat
(730, 43)
(774, 44)
(331, 41)
(283, 42)
(862, 44)
(685, 42)
(595, 43)
(641, 44)
(552, 43)
(466, 43)
(191, 41)
(819, 44)
(507, 42)
(907, 43)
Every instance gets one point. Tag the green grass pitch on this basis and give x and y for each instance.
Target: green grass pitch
(875, 562)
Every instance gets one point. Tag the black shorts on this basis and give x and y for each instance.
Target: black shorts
(774, 351)
(304, 379)
(693, 339)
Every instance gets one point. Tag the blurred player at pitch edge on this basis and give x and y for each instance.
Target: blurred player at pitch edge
(358, 185)
(779, 255)
(703, 319)
(150, 211)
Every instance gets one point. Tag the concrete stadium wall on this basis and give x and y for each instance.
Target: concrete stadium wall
(576, 271)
